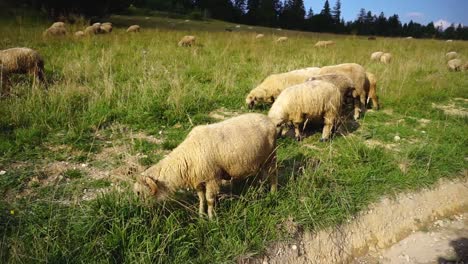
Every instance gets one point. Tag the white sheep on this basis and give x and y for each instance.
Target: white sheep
(134, 28)
(58, 24)
(386, 58)
(274, 84)
(309, 101)
(105, 28)
(357, 74)
(55, 31)
(233, 149)
(324, 43)
(79, 34)
(342, 82)
(281, 39)
(259, 36)
(187, 41)
(455, 65)
(20, 61)
(375, 56)
(451, 55)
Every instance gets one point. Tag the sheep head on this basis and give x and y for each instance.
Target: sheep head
(146, 187)
(255, 97)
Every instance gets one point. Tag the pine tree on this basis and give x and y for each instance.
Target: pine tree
(336, 13)
(310, 13)
(326, 9)
(252, 11)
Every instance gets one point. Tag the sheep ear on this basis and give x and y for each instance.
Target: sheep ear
(152, 185)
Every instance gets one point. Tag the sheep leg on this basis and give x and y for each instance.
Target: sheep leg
(329, 121)
(363, 102)
(297, 131)
(357, 108)
(375, 102)
(212, 190)
(273, 174)
(201, 197)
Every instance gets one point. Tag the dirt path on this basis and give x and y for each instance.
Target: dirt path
(388, 231)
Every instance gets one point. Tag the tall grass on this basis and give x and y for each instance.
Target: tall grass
(148, 83)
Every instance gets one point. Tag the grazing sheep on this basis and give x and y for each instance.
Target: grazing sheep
(233, 149)
(105, 28)
(259, 36)
(449, 40)
(342, 82)
(79, 34)
(375, 56)
(20, 61)
(386, 58)
(134, 28)
(274, 84)
(90, 30)
(455, 65)
(371, 38)
(409, 37)
(370, 87)
(357, 74)
(309, 101)
(187, 41)
(58, 24)
(281, 39)
(451, 55)
(55, 32)
(325, 43)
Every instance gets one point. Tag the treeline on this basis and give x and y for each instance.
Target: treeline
(288, 14)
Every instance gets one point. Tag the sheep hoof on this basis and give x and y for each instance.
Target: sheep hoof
(323, 140)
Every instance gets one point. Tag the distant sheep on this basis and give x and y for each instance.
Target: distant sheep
(236, 148)
(281, 39)
(259, 36)
(357, 74)
(409, 38)
(79, 34)
(105, 28)
(449, 40)
(187, 41)
(451, 55)
(20, 61)
(371, 38)
(455, 65)
(134, 28)
(375, 56)
(325, 43)
(386, 58)
(58, 24)
(371, 90)
(57, 31)
(313, 100)
(274, 84)
(90, 30)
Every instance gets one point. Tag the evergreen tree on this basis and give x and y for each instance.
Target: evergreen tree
(326, 9)
(252, 11)
(336, 13)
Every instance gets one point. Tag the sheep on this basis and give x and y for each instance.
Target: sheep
(55, 32)
(313, 100)
(236, 148)
(79, 34)
(58, 24)
(409, 37)
(455, 65)
(90, 30)
(357, 74)
(274, 84)
(372, 38)
(451, 55)
(325, 43)
(281, 39)
(449, 40)
(370, 87)
(342, 82)
(187, 41)
(105, 28)
(375, 56)
(259, 36)
(386, 58)
(20, 61)
(134, 28)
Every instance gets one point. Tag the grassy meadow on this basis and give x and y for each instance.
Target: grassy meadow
(118, 103)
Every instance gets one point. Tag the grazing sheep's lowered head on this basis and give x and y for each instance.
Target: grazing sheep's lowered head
(146, 187)
(134, 28)
(282, 39)
(187, 41)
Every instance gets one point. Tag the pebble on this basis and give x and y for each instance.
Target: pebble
(294, 247)
(2, 172)
(396, 138)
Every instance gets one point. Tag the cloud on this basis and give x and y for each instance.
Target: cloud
(415, 15)
(443, 24)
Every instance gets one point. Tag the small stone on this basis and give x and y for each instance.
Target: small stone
(294, 247)
(397, 138)
(424, 132)
(160, 132)
(2, 172)
(84, 165)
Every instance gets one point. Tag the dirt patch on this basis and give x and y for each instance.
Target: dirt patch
(382, 225)
(222, 114)
(372, 143)
(453, 108)
(445, 241)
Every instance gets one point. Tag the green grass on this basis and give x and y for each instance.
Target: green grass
(104, 88)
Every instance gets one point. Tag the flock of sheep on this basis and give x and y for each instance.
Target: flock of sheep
(245, 145)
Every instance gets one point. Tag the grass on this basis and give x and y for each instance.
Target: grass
(105, 88)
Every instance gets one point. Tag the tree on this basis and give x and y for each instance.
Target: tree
(336, 13)
(252, 11)
(326, 9)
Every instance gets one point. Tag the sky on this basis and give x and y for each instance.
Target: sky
(440, 12)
